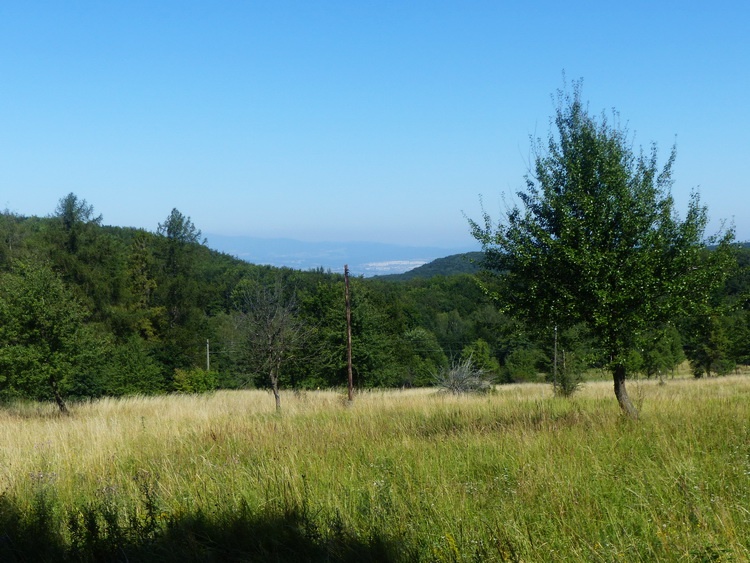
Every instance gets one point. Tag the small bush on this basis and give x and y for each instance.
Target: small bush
(569, 374)
(194, 380)
(463, 377)
(523, 365)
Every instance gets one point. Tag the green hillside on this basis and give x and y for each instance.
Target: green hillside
(466, 263)
(88, 310)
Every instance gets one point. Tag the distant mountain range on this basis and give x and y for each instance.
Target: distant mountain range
(363, 258)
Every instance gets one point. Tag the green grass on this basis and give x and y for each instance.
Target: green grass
(518, 475)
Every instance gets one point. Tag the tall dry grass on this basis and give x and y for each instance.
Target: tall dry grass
(400, 475)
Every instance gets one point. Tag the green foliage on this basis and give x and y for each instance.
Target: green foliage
(662, 352)
(567, 376)
(144, 303)
(596, 239)
(195, 380)
(75, 216)
(422, 357)
(480, 354)
(12, 237)
(523, 364)
(709, 352)
(46, 350)
(573, 355)
(456, 264)
(131, 369)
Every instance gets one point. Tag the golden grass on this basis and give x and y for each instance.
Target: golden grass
(517, 473)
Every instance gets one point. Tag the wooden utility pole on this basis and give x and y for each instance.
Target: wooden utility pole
(348, 333)
(554, 368)
(208, 356)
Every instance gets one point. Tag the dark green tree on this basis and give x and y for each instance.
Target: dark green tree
(596, 239)
(709, 349)
(141, 284)
(180, 233)
(662, 352)
(421, 355)
(75, 217)
(177, 291)
(11, 236)
(131, 369)
(44, 344)
(481, 356)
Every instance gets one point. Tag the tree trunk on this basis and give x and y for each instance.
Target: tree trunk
(622, 393)
(58, 398)
(275, 387)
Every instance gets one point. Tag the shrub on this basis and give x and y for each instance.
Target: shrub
(569, 374)
(523, 364)
(463, 377)
(194, 380)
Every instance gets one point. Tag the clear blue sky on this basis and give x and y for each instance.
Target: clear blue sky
(352, 120)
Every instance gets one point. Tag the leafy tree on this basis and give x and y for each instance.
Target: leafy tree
(180, 237)
(179, 229)
(132, 369)
(324, 306)
(43, 341)
(662, 352)
(421, 355)
(523, 364)
(709, 351)
(597, 240)
(87, 258)
(572, 353)
(196, 380)
(739, 334)
(481, 356)
(11, 236)
(141, 285)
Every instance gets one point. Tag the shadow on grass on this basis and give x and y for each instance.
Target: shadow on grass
(99, 534)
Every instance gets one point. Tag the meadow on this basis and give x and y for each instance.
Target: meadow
(413, 475)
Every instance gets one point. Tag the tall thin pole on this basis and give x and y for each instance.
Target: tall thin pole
(348, 333)
(554, 369)
(208, 356)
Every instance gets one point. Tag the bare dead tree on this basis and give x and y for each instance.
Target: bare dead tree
(269, 326)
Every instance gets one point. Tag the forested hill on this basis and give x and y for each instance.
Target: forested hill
(466, 263)
(88, 310)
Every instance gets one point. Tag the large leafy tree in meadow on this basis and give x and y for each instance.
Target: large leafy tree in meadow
(596, 239)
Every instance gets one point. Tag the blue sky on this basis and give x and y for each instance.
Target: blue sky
(353, 120)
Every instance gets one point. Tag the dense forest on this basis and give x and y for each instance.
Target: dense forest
(88, 310)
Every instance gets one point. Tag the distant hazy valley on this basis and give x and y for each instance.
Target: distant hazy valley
(363, 258)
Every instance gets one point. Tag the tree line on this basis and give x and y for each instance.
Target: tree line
(88, 310)
(594, 268)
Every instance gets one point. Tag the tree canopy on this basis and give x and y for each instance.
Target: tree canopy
(596, 239)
